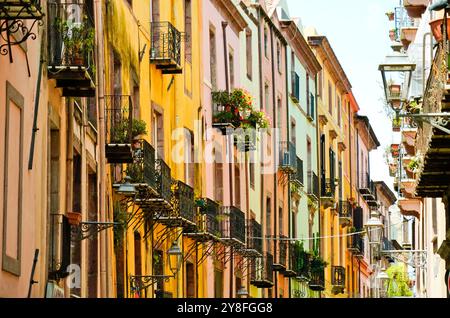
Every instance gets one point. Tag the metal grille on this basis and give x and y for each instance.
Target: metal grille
(233, 224)
(345, 209)
(71, 36)
(166, 43)
(118, 119)
(183, 202)
(338, 276)
(163, 180)
(254, 232)
(143, 168)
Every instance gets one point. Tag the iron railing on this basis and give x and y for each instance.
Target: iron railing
(209, 218)
(254, 233)
(71, 36)
(298, 176)
(20, 9)
(142, 170)
(313, 184)
(233, 224)
(328, 188)
(183, 201)
(345, 209)
(163, 180)
(288, 157)
(280, 262)
(317, 281)
(338, 276)
(118, 119)
(355, 244)
(387, 244)
(166, 43)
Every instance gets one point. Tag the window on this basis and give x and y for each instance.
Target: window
(280, 218)
(237, 186)
(12, 180)
(330, 99)
(137, 254)
(268, 221)
(189, 157)
(188, 30)
(218, 176)
(212, 58)
(248, 43)
(279, 113)
(307, 95)
(190, 280)
(293, 132)
(279, 57)
(117, 74)
(158, 133)
(92, 244)
(266, 42)
(231, 64)
(266, 97)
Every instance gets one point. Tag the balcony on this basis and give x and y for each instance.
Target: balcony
(262, 271)
(292, 262)
(337, 279)
(71, 39)
(407, 35)
(345, 213)
(156, 199)
(142, 170)
(368, 191)
(165, 50)
(387, 245)
(408, 186)
(328, 190)
(317, 281)
(119, 120)
(410, 206)
(21, 9)
(183, 212)
(415, 8)
(313, 186)
(355, 244)
(297, 178)
(233, 226)
(254, 246)
(279, 264)
(433, 143)
(208, 225)
(295, 90)
(288, 158)
(302, 263)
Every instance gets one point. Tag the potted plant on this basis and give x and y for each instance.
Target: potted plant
(413, 164)
(395, 150)
(437, 26)
(413, 107)
(78, 39)
(394, 90)
(393, 169)
(120, 131)
(392, 34)
(390, 15)
(396, 124)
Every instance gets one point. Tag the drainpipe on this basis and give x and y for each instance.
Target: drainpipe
(351, 176)
(104, 252)
(262, 101)
(69, 163)
(229, 145)
(274, 106)
(288, 138)
(316, 115)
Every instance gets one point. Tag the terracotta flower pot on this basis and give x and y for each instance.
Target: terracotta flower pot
(437, 28)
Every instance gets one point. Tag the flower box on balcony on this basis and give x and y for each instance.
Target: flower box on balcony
(407, 36)
(396, 124)
(437, 26)
(415, 8)
(395, 152)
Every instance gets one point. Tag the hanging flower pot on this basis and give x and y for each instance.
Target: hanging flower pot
(396, 124)
(390, 15)
(392, 34)
(437, 28)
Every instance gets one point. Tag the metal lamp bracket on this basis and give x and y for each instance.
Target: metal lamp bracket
(88, 229)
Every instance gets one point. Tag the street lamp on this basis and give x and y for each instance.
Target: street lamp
(373, 229)
(396, 71)
(127, 189)
(383, 278)
(175, 256)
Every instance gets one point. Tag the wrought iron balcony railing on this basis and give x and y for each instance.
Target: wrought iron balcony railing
(183, 204)
(262, 271)
(233, 226)
(71, 44)
(142, 170)
(317, 281)
(118, 120)
(20, 9)
(254, 233)
(313, 185)
(165, 49)
(292, 261)
(345, 212)
(328, 188)
(280, 261)
(355, 244)
(338, 277)
(163, 180)
(288, 157)
(298, 176)
(208, 224)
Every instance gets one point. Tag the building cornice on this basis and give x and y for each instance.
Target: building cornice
(331, 61)
(232, 13)
(300, 46)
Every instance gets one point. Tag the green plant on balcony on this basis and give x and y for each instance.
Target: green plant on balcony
(237, 109)
(120, 131)
(78, 39)
(396, 124)
(413, 107)
(395, 150)
(414, 164)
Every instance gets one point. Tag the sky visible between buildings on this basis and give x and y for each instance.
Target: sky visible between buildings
(358, 31)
